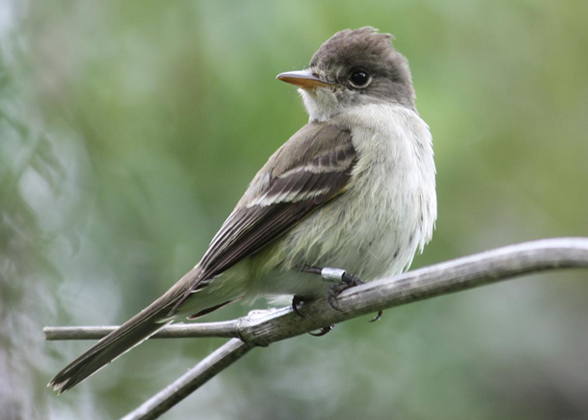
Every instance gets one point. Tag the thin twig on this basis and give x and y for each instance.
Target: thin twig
(264, 328)
(224, 356)
(227, 329)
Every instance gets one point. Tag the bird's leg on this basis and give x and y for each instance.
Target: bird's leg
(343, 281)
(340, 277)
(298, 301)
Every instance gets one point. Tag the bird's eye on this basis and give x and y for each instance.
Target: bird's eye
(359, 79)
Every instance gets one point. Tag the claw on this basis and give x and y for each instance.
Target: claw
(377, 317)
(322, 331)
(297, 302)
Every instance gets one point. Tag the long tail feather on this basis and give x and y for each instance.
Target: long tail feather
(130, 334)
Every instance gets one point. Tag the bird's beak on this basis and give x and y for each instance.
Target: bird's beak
(303, 78)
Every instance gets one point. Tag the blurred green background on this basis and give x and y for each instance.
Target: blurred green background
(128, 131)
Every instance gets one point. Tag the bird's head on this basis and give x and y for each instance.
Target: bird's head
(353, 68)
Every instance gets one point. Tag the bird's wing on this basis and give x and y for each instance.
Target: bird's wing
(307, 171)
(310, 169)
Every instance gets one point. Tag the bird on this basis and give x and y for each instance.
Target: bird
(353, 191)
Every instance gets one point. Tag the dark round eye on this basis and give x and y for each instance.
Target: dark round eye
(359, 79)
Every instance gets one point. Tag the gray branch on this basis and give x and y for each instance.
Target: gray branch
(261, 328)
(223, 357)
(225, 329)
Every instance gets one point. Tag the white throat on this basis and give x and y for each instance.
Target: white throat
(320, 103)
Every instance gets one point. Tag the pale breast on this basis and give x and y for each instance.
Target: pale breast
(393, 197)
(386, 214)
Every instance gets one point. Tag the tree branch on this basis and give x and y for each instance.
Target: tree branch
(223, 357)
(261, 328)
(226, 329)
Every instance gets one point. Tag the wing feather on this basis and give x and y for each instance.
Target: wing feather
(296, 187)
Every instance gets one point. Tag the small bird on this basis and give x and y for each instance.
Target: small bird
(353, 189)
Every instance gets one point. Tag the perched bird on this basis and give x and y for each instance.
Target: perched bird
(353, 189)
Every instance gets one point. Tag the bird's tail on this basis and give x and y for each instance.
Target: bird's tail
(132, 333)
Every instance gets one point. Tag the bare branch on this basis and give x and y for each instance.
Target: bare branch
(226, 329)
(263, 328)
(224, 356)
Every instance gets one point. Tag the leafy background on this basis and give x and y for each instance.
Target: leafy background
(128, 130)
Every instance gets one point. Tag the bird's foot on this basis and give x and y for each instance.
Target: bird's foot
(322, 331)
(297, 303)
(346, 281)
(343, 281)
